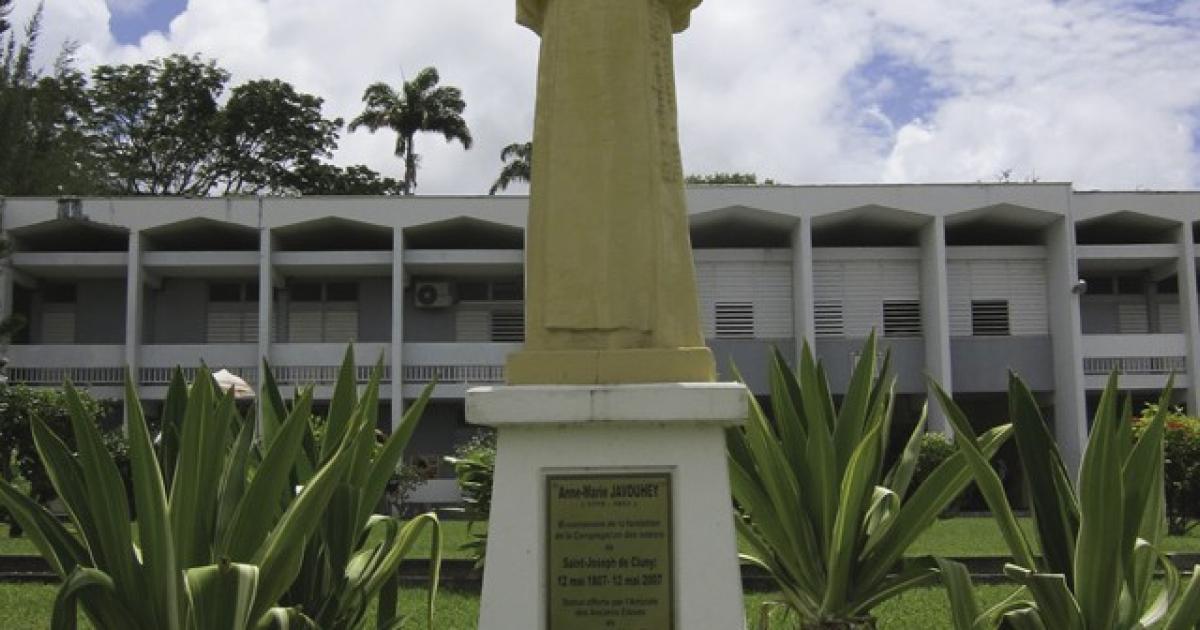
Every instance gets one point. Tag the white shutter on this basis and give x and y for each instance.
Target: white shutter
(1027, 297)
(58, 326)
(224, 325)
(828, 307)
(341, 322)
(1021, 283)
(958, 286)
(763, 288)
(861, 288)
(1168, 318)
(472, 324)
(304, 322)
(250, 326)
(1132, 319)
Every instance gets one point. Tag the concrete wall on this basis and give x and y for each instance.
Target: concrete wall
(375, 309)
(178, 312)
(908, 362)
(751, 356)
(100, 312)
(427, 324)
(981, 364)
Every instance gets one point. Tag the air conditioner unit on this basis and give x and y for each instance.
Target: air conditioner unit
(432, 295)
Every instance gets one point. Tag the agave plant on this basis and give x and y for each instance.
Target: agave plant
(354, 555)
(209, 552)
(815, 504)
(1100, 544)
(223, 542)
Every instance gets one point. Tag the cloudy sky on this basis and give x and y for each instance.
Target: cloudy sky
(1102, 93)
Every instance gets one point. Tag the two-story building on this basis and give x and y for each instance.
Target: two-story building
(963, 282)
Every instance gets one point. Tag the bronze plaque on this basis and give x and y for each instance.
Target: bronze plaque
(608, 550)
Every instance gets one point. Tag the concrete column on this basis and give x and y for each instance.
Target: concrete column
(1070, 404)
(803, 294)
(266, 296)
(397, 357)
(134, 293)
(1189, 313)
(935, 315)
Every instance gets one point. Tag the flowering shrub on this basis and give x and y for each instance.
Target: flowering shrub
(1181, 467)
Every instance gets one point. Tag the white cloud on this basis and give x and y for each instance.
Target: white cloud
(1097, 92)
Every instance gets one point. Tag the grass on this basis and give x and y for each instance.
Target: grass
(962, 537)
(25, 606)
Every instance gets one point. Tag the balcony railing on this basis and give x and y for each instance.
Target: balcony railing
(1145, 355)
(56, 376)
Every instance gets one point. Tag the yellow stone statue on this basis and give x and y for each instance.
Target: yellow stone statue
(610, 286)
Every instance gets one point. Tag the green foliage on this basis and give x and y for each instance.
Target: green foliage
(315, 178)
(353, 558)
(814, 502)
(156, 124)
(475, 468)
(266, 131)
(419, 106)
(1181, 466)
(43, 146)
(727, 179)
(225, 521)
(1101, 542)
(518, 166)
(20, 407)
(936, 448)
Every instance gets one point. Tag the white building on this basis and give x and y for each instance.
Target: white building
(963, 281)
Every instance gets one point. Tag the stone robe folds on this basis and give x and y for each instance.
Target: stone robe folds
(609, 263)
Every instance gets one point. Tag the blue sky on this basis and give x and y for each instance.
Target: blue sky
(133, 19)
(1101, 93)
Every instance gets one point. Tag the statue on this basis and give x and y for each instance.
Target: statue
(610, 285)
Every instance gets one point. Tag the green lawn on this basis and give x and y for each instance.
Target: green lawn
(28, 607)
(956, 537)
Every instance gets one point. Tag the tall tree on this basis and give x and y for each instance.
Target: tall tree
(421, 105)
(315, 178)
(735, 179)
(517, 159)
(267, 131)
(43, 147)
(155, 125)
(5, 9)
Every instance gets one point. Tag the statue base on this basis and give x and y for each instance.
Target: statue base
(611, 507)
(610, 367)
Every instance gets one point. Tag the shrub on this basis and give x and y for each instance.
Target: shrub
(237, 528)
(475, 468)
(1099, 541)
(815, 504)
(20, 405)
(1181, 466)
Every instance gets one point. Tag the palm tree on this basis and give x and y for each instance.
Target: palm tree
(516, 158)
(420, 105)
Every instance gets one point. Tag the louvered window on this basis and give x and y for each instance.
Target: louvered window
(58, 314)
(901, 319)
(323, 312)
(1133, 319)
(989, 318)
(734, 320)
(508, 326)
(829, 319)
(1168, 318)
(232, 312)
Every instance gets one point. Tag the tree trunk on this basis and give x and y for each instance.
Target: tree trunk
(410, 168)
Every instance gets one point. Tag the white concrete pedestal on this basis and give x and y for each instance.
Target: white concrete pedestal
(677, 428)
